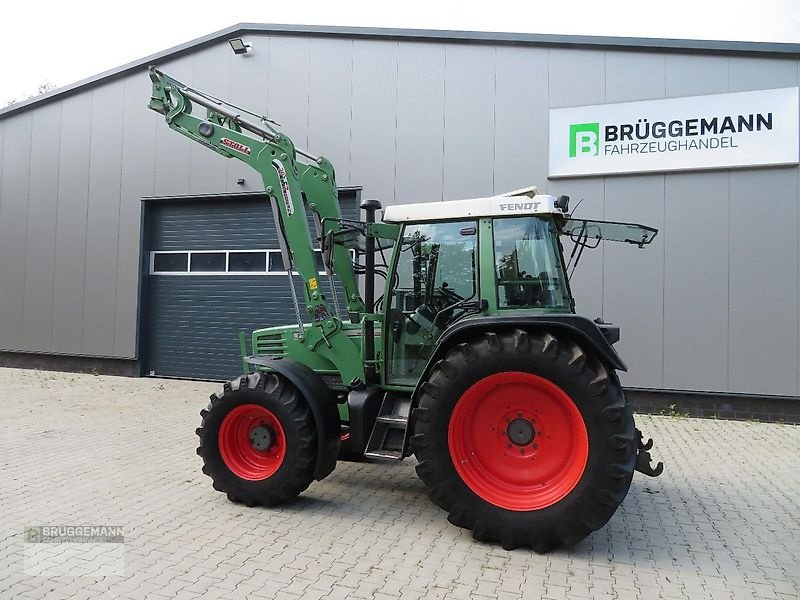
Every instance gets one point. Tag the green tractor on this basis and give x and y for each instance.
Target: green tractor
(472, 359)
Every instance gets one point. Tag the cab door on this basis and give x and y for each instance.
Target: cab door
(435, 283)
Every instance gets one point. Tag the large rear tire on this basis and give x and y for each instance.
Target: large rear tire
(524, 439)
(258, 441)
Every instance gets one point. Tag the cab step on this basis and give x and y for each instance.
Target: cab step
(393, 420)
(389, 435)
(384, 454)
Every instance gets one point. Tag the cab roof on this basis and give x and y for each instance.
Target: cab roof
(526, 201)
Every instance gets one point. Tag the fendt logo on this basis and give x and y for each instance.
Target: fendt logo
(584, 139)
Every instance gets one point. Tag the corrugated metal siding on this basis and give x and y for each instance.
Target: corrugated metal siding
(42, 206)
(14, 197)
(373, 132)
(192, 322)
(138, 164)
(420, 123)
(415, 121)
(102, 221)
(70, 254)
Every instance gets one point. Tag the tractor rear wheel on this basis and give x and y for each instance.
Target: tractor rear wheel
(258, 441)
(525, 439)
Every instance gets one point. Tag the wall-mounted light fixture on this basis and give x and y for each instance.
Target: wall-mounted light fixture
(239, 46)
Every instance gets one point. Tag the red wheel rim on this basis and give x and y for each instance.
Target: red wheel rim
(518, 441)
(252, 442)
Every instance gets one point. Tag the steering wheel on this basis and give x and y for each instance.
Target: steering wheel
(427, 312)
(454, 296)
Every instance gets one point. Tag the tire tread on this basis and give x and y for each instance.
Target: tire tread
(260, 388)
(600, 399)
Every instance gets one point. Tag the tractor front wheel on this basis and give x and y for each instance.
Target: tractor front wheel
(525, 439)
(258, 441)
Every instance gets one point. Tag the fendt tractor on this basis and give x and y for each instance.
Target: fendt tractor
(473, 358)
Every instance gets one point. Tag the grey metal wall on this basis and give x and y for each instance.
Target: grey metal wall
(712, 305)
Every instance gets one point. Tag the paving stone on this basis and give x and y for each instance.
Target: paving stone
(368, 530)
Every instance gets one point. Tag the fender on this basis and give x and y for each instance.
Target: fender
(322, 403)
(598, 338)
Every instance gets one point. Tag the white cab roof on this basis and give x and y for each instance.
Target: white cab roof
(518, 202)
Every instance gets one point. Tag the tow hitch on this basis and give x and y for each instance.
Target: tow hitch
(643, 457)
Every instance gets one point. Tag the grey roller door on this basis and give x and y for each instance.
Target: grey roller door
(195, 303)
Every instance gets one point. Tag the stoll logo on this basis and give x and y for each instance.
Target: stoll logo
(233, 144)
(584, 139)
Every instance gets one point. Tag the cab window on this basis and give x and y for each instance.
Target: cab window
(528, 268)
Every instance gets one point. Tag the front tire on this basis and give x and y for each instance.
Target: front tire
(258, 441)
(524, 439)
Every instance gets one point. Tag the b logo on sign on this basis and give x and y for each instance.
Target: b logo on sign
(584, 139)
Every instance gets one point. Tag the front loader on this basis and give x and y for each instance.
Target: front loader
(472, 359)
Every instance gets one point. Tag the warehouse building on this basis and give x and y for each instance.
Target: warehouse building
(128, 248)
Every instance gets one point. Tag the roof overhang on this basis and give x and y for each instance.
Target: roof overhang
(424, 35)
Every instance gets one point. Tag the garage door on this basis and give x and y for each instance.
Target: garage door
(212, 269)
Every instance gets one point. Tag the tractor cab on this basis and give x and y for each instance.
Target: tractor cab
(498, 256)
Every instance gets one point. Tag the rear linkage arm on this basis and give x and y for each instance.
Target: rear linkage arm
(643, 457)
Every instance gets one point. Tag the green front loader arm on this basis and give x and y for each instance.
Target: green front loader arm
(289, 184)
(320, 192)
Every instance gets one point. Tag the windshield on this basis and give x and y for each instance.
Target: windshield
(582, 229)
(528, 265)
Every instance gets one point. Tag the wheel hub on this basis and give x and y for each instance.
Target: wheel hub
(521, 432)
(260, 437)
(252, 442)
(518, 441)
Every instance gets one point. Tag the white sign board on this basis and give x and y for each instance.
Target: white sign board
(741, 129)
